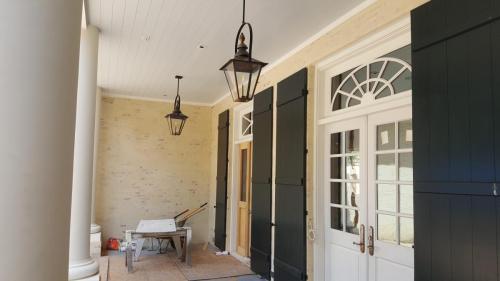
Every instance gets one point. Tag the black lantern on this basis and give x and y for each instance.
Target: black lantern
(243, 72)
(176, 119)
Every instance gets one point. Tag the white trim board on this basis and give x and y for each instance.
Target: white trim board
(121, 96)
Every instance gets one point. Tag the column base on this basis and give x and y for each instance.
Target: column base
(96, 277)
(84, 270)
(95, 245)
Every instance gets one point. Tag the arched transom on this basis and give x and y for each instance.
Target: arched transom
(382, 77)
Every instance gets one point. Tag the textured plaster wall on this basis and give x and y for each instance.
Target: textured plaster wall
(145, 173)
(371, 19)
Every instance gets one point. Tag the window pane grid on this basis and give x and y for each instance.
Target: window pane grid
(394, 226)
(344, 181)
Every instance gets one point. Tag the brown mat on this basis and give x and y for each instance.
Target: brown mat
(206, 265)
(148, 268)
(152, 267)
(104, 268)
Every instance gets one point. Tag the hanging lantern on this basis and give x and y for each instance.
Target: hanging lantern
(176, 119)
(242, 72)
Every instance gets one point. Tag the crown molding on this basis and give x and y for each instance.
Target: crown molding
(122, 96)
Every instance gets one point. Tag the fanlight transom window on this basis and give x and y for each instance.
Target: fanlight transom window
(246, 124)
(383, 77)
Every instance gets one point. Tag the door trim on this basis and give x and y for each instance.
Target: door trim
(394, 36)
(234, 185)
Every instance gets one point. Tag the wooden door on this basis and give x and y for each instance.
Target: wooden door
(244, 203)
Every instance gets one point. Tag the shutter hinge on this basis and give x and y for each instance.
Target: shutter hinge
(304, 276)
(306, 151)
(270, 180)
(273, 224)
(495, 189)
(307, 213)
(305, 92)
(302, 181)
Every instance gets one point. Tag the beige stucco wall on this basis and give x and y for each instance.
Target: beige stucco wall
(371, 19)
(145, 173)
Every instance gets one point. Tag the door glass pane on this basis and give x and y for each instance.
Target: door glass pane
(335, 143)
(386, 169)
(336, 167)
(406, 166)
(386, 197)
(243, 185)
(352, 167)
(406, 231)
(406, 199)
(352, 221)
(405, 134)
(352, 194)
(352, 141)
(336, 193)
(386, 228)
(336, 218)
(386, 137)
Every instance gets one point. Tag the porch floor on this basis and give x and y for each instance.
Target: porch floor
(155, 267)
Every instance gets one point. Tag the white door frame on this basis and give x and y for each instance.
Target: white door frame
(235, 176)
(395, 36)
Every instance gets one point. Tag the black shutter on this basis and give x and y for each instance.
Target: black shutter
(261, 183)
(290, 230)
(456, 123)
(221, 197)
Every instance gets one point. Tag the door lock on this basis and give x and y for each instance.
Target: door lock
(361, 243)
(371, 245)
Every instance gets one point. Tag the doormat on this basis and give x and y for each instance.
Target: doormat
(207, 266)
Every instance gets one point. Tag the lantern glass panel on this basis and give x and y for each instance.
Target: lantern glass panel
(242, 78)
(176, 124)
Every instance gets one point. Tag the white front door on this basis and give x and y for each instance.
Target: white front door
(346, 200)
(390, 203)
(369, 198)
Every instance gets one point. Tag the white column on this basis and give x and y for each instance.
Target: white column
(38, 80)
(81, 265)
(95, 229)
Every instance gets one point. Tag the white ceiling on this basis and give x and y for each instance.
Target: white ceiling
(130, 64)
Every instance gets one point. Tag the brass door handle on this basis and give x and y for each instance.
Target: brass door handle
(371, 245)
(361, 243)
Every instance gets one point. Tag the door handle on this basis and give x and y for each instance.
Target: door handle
(361, 243)
(371, 245)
